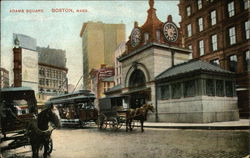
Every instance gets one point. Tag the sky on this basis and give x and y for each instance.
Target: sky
(62, 30)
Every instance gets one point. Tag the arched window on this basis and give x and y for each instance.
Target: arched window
(137, 78)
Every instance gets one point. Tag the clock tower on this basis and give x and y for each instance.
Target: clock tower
(154, 30)
(151, 49)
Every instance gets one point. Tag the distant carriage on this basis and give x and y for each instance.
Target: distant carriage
(112, 112)
(75, 109)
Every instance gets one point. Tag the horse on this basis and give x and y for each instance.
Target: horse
(39, 131)
(138, 114)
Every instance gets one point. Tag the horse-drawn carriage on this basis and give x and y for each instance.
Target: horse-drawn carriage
(114, 113)
(75, 109)
(20, 122)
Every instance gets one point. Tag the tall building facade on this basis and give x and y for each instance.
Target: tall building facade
(4, 78)
(52, 72)
(118, 66)
(25, 62)
(99, 41)
(218, 31)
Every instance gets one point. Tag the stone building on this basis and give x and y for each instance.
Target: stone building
(151, 49)
(52, 72)
(4, 78)
(155, 70)
(218, 31)
(197, 92)
(102, 79)
(99, 41)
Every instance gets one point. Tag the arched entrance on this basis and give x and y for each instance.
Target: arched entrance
(138, 92)
(137, 78)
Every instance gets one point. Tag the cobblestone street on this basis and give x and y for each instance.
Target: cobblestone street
(153, 143)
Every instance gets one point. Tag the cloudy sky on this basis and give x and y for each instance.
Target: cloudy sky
(61, 30)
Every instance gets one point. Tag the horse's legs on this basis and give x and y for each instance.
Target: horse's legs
(142, 130)
(46, 148)
(130, 122)
(35, 149)
(127, 123)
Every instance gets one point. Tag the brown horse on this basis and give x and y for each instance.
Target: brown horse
(138, 114)
(39, 131)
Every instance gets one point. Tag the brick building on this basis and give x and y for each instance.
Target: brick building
(4, 78)
(218, 31)
(101, 79)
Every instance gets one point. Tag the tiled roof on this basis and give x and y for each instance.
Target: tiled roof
(190, 66)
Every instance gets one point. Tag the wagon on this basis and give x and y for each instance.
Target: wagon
(18, 107)
(112, 112)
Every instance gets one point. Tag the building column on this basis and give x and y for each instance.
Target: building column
(154, 100)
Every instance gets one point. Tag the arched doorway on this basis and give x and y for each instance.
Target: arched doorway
(137, 78)
(139, 94)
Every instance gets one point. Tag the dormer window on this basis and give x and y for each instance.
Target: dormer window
(146, 37)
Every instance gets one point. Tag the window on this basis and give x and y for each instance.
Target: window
(165, 93)
(219, 88)
(47, 82)
(210, 87)
(214, 42)
(146, 37)
(189, 88)
(247, 29)
(213, 17)
(189, 30)
(246, 4)
(200, 24)
(233, 63)
(199, 4)
(176, 91)
(232, 36)
(191, 48)
(215, 62)
(158, 35)
(246, 60)
(230, 9)
(188, 10)
(229, 88)
(201, 47)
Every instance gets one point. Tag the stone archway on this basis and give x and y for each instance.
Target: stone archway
(137, 69)
(137, 78)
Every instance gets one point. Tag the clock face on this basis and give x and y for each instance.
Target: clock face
(170, 32)
(135, 37)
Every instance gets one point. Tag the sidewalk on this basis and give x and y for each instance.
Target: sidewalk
(231, 125)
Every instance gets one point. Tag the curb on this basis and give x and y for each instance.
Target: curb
(202, 127)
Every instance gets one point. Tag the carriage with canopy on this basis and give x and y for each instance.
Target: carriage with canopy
(75, 109)
(112, 112)
(18, 108)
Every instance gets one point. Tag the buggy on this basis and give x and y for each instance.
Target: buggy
(112, 112)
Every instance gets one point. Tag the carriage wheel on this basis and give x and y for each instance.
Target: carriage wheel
(114, 124)
(101, 123)
(50, 147)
